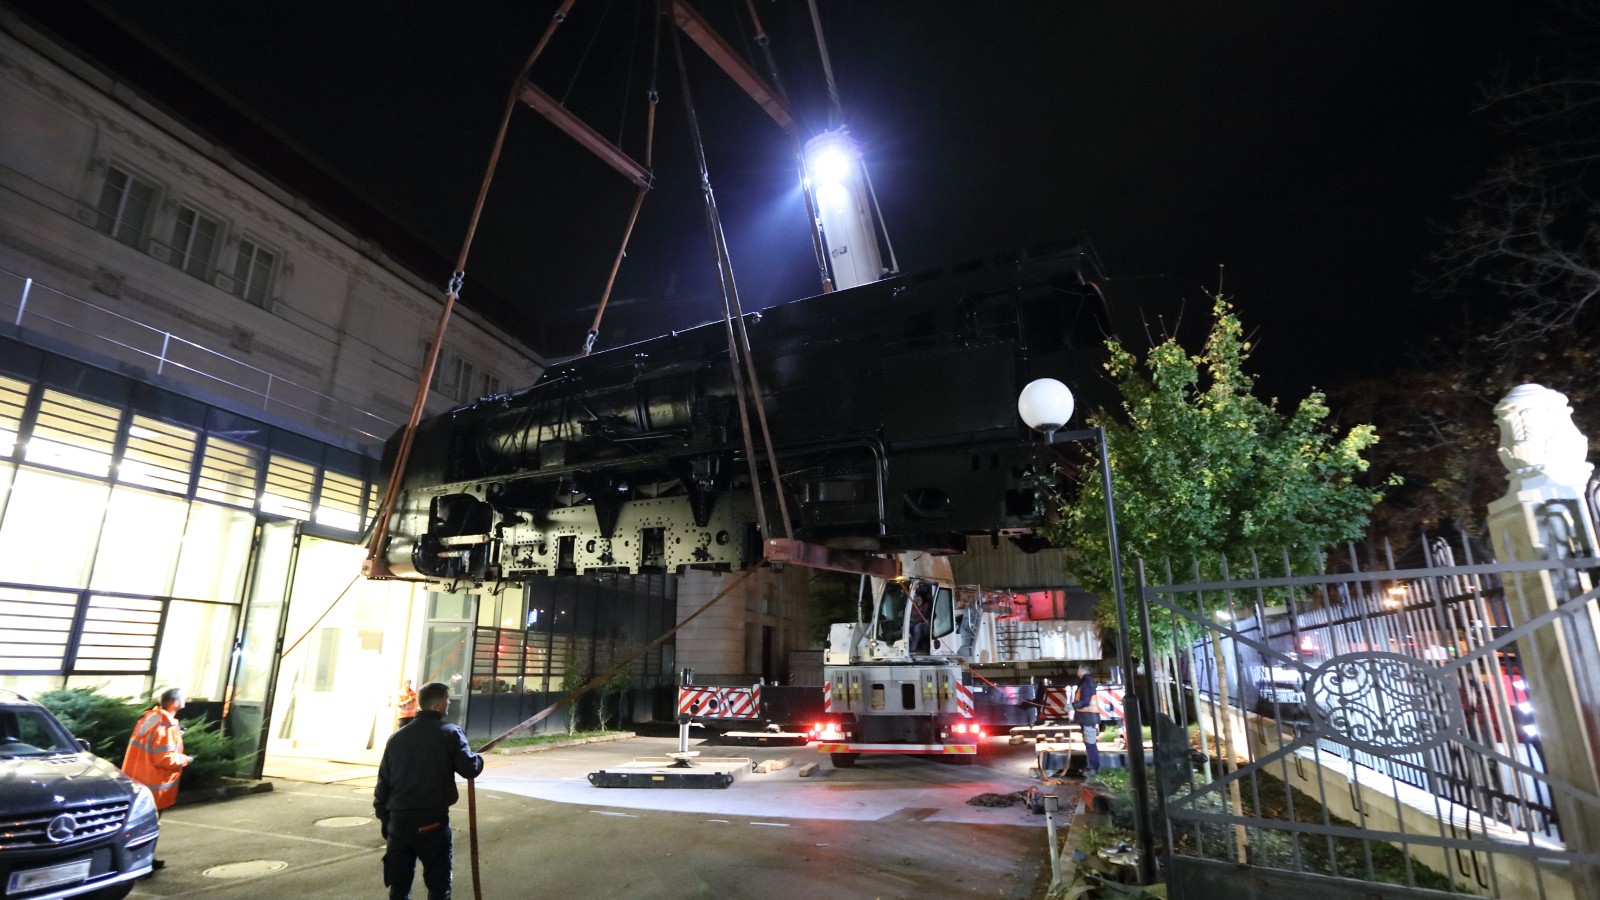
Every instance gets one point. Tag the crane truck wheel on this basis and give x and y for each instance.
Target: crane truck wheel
(844, 760)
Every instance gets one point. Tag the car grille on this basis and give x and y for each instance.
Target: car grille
(31, 830)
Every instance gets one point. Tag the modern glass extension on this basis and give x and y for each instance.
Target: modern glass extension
(148, 539)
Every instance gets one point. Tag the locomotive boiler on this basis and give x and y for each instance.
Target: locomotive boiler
(891, 410)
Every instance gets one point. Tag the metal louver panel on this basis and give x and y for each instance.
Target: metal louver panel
(119, 635)
(228, 473)
(13, 397)
(158, 455)
(289, 488)
(340, 500)
(73, 433)
(35, 627)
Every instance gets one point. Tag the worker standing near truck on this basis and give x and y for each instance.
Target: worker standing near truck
(1087, 715)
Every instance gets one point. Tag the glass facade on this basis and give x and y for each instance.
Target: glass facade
(148, 539)
(534, 644)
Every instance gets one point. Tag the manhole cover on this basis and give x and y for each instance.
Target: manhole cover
(344, 821)
(245, 869)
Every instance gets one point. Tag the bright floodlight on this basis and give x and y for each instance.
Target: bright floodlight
(831, 157)
(1045, 404)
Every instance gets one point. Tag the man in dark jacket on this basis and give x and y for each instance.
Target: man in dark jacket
(416, 788)
(1087, 715)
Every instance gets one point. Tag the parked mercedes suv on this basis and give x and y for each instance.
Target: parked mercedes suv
(71, 824)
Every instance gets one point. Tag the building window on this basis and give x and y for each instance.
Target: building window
(195, 236)
(463, 379)
(125, 204)
(252, 272)
(453, 376)
(490, 386)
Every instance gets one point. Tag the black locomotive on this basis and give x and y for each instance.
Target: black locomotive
(891, 409)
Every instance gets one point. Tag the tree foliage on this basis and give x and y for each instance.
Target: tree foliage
(1202, 469)
(1522, 267)
(1440, 437)
(1530, 229)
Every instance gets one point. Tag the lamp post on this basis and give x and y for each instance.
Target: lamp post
(1046, 405)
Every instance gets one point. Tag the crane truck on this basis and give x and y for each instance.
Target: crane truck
(932, 666)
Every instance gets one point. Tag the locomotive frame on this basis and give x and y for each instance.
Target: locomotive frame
(891, 409)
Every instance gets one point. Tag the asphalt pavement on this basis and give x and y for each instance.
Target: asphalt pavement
(891, 826)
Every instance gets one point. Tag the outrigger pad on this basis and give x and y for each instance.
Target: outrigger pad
(765, 739)
(677, 778)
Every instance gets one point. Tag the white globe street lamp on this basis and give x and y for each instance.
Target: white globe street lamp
(1045, 404)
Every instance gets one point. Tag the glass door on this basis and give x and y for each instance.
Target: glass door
(259, 643)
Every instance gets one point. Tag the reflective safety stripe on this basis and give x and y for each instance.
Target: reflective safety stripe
(964, 700)
(720, 702)
(953, 749)
(1110, 701)
(1057, 704)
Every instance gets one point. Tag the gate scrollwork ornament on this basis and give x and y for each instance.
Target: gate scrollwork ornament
(1384, 703)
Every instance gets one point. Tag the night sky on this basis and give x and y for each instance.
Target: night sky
(1311, 148)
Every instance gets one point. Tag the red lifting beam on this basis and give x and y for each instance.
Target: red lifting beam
(699, 31)
(546, 105)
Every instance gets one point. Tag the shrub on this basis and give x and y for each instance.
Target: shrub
(105, 722)
(213, 754)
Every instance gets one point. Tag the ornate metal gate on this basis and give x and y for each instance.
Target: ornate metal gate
(1370, 733)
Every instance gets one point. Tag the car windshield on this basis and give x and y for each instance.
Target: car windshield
(31, 731)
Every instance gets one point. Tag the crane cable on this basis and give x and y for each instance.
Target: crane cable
(375, 566)
(638, 201)
(836, 110)
(733, 319)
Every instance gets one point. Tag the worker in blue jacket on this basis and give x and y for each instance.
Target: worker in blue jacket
(1086, 712)
(416, 788)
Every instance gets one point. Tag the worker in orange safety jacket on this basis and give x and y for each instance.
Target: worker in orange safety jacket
(155, 756)
(407, 705)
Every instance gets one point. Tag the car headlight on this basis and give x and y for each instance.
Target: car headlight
(144, 804)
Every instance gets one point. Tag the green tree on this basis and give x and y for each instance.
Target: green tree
(572, 680)
(1202, 469)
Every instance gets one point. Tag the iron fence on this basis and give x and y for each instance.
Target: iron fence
(1366, 722)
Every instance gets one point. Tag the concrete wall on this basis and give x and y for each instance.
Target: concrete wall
(725, 641)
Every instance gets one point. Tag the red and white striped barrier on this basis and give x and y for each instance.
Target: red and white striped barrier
(1110, 701)
(720, 702)
(1057, 702)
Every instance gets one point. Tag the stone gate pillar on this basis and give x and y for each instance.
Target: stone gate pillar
(1544, 515)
